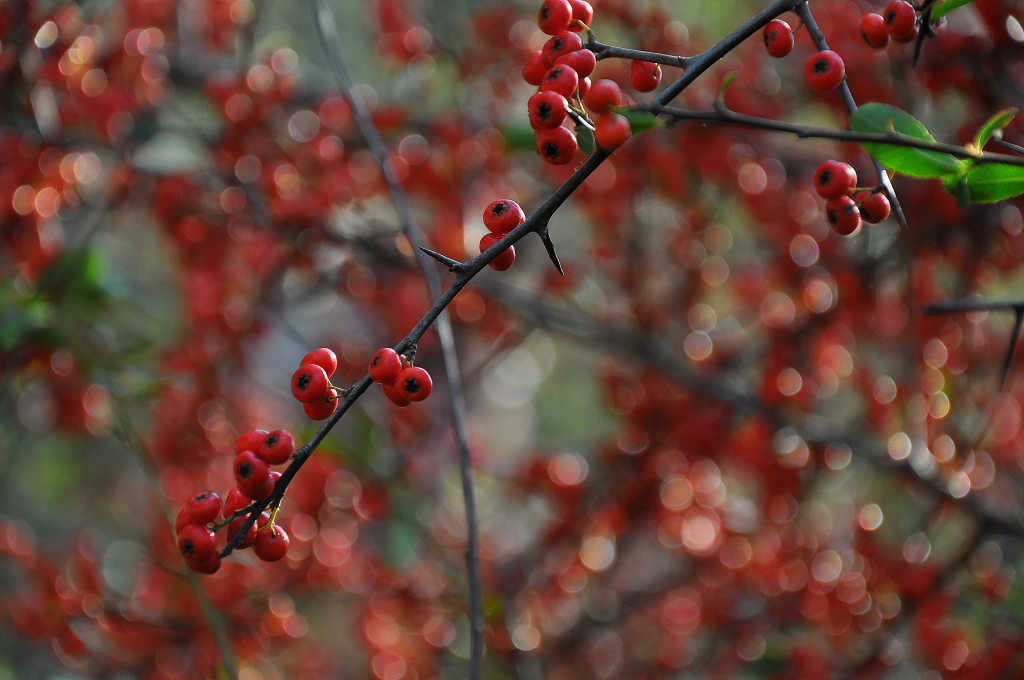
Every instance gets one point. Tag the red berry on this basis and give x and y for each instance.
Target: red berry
(196, 544)
(394, 394)
(873, 207)
(843, 215)
(250, 441)
(235, 501)
(251, 473)
(323, 357)
(584, 87)
(554, 16)
(833, 179)
(611, 130)
(267, 488)
(644, 76)
(415, 383)
(557, 146)
(563, 43)
(385, 365)
(208, 566)
(271, 543)
(250, 535)
(277, 447)
(582, 13)
(561, 79)
(603, 95)
(181, 521)
(874, 31)
(203, 508)
(900, 20)
(322, 409)
(824, 71)
(502, 261)
(503, 215)
(547, 109)
(581, 61)
(309, 382)
(778, 38)
(533, 70)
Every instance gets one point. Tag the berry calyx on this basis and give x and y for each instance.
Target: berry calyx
(415, 383)
(563, 43)
(778, 38)
(278, 447)
(250, 441)
(534, 69)
(874, 31)
(833, 179)
(503, 215)
(271, 543)
(503, 261)
(581, 61)
(324, 357)
(557, 146)
(324, 408)
(603, 95)
(547, 109)
(561, 79)
(582, 15)
(644, 76)
(843, 215)
(611, 130)
(309, 382)
(900, 20)
(554, 16)
(873, 207)
(203, 508)
(251, 473)
(824, 71)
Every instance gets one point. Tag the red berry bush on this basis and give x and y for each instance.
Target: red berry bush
(695, 328)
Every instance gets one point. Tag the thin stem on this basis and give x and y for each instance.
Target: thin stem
(728, 117)
(959, 306)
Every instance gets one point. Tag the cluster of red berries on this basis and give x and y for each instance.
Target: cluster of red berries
(561, 71)
(203, 515)
(501, 217)
(823, 71)
(899, 22)
(837, 182)
(401, 381)
(311, 383)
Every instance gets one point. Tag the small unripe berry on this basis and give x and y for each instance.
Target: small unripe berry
(603, 95)
(547, 109)
(778, 38)
(557, 146)
(843, 215)
(503, 215)
(415, 383)
(554, 16)
(324, 357)
(874, 31)
(644, 76)
(561, 79)
(611, 130)
(309, 382)
(203, 508)
(271, 544)
(824, 71)
(278, 447)
(534, 69)
(563, 43)
(833, 179)
(873, 207)
(503, 261)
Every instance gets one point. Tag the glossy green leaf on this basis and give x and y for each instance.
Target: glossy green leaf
(882, 118)
(585, 138)
(943, 8)
(640, 121)
(957, 188)
(518, 137)
(997, 122)
(993, 182)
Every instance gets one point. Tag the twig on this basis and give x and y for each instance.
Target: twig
(958, 306)
(602, 51)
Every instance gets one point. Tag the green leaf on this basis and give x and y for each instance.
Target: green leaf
(993, 182)
(519, 137)
(640, 121)
(883, 119)
(957, 188)
(585, 138)
(943, 8)
(997, 122)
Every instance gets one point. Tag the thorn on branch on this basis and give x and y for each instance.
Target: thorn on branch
(453, 265)
(550, 247)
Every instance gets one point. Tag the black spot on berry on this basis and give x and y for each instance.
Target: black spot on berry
(303, 382)
(500, 208)
(270, 440)
(821, 66)
(411, 386)
(551, 150)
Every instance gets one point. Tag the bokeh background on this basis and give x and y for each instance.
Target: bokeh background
(726, 444)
